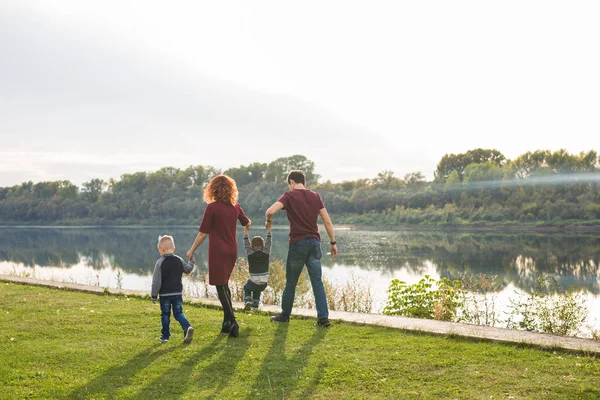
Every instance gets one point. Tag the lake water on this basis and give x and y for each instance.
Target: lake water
(112, 257)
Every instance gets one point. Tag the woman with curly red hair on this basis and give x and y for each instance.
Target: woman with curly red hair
(219, 224)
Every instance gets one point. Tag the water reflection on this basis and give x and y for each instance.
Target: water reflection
(517, 258)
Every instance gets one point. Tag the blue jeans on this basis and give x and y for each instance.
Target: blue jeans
(166, 302)
(305, 252)
(252, 291)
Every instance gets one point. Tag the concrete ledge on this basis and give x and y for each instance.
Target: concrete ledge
(404, 323)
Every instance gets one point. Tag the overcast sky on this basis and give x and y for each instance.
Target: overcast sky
(98, 89)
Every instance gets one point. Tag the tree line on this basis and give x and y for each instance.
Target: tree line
(478, 187)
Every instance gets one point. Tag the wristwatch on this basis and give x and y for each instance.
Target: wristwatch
(333, 243)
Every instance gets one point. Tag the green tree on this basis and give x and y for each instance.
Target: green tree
(387, 180)
(458, 162)
(131, 183)
(66, 190)
(93, 189)
(482, 172)
(453, 179)
(277, 170)
(251, 174)
(415, 180)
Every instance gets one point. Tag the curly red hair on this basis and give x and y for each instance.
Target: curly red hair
(221, 188)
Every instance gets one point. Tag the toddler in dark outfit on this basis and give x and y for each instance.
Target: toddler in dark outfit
(258, 251)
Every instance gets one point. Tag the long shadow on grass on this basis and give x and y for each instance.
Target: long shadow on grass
(119, 376)
(280, 374)
(175, 381)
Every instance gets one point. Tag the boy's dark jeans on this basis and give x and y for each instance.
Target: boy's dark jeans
(305, 252)
(176, 302)
(252, 291)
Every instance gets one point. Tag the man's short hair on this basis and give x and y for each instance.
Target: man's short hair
(166, 242)
(296, 176)
(258, 243)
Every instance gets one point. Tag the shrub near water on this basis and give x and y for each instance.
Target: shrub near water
(544, 310)
(353, 296)
(473, 300)
(425, 299)
(479, 300)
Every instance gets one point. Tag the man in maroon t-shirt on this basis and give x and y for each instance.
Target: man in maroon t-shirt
(303, 208)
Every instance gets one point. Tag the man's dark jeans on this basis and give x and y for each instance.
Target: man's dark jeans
(252, 291)
(305, 252)
(176, 302)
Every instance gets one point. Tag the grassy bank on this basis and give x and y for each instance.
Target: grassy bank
(59, 344)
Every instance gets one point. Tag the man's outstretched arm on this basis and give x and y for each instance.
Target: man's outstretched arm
(276, 207)
(330, 232)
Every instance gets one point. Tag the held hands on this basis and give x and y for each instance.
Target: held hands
(268, 225)
(247, 228)
(190, 255)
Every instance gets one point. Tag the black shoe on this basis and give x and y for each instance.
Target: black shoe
(235, 329)
(226, 327)
(280, 318)
(324, 322)
(248, 306)
(189, 333)
(255, 305)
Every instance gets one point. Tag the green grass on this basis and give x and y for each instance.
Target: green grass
(61, 344)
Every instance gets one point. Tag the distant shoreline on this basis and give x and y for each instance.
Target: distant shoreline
(499, 228)
(347, 227)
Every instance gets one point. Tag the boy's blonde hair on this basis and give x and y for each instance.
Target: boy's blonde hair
(258, 243)
(166, 242)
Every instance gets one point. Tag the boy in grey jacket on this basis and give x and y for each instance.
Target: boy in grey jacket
(166, 282)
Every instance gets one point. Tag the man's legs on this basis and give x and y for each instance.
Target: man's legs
(313, 264)
(293, 268)
(165, 316)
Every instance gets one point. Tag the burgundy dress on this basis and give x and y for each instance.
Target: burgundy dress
(219, 222)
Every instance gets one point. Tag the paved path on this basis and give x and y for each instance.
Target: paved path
(409, 324)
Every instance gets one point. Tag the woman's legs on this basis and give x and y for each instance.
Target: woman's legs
(225, 299)
(229, 323)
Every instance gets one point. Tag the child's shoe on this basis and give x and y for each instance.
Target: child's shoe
(189, 333)
(248, 306)
(255, 305)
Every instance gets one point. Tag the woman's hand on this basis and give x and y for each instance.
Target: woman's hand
(199, 239)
